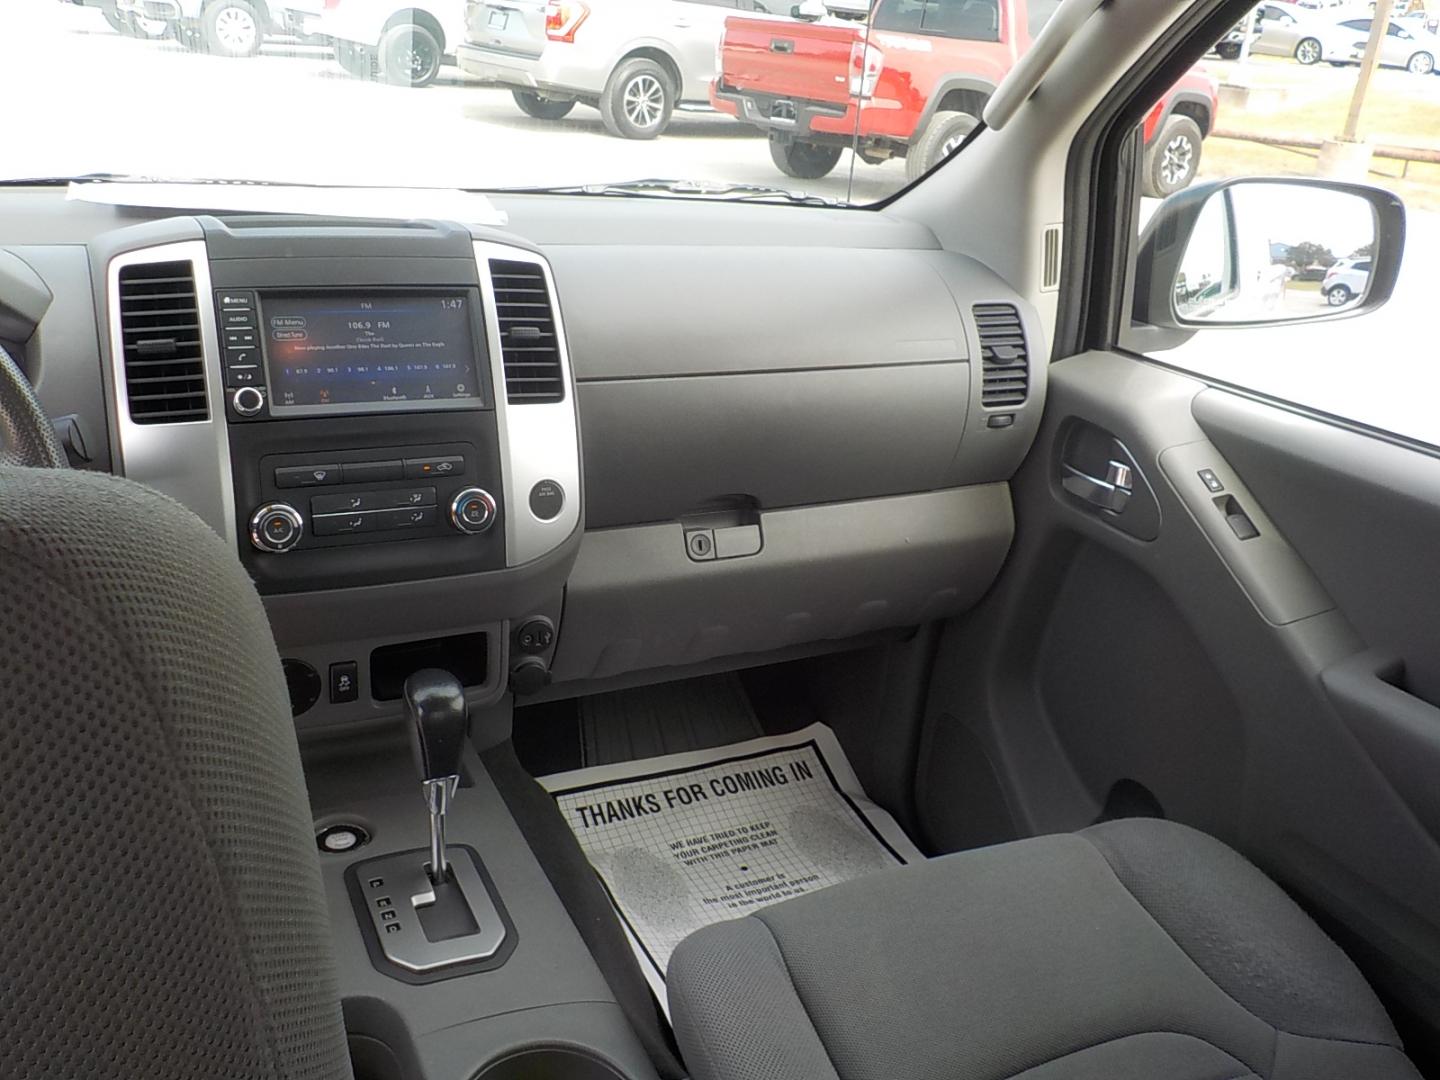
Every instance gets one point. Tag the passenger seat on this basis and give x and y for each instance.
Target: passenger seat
(1134, 949)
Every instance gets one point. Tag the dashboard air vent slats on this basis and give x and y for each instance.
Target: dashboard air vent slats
(528, 345)
(160, 333)
(1003, 354)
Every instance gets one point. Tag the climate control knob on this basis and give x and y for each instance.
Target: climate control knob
(276, 527)
(247, 401)
(472, 510)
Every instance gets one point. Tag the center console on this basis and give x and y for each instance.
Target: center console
(380, 420)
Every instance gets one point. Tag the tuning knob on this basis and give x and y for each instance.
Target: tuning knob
(247, 401)
(276, 527)
(472, 510)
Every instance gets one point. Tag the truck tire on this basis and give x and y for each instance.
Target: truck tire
(942, 136)
(638, 99)
(1173, 159)
(409, 55)
(354, 59)
(532, 104)
(803, 160)
(232, 28)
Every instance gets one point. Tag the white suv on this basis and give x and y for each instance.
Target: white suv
(634, 60)
(1346, 280)
(402, 43)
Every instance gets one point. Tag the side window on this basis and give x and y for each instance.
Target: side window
(1289, 102)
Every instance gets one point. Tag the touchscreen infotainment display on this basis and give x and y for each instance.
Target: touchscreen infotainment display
(369, 352)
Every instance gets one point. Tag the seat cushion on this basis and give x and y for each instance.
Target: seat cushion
(1137, 948)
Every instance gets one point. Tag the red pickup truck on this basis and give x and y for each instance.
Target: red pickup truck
(919, 86)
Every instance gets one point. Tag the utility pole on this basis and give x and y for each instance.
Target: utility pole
(1379, 26)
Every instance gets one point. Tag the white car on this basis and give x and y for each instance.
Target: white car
(1342, 41)
(1345, 281)
(402, 43)
(223, 27)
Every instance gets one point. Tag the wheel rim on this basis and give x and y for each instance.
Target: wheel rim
(950, 145)
(1307, 52)
(236, 30)
(1422, 64)
(412, 58)
(1338, 297)
(1177, 161)
(644, 101)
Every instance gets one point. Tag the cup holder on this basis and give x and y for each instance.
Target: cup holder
(549, 1063)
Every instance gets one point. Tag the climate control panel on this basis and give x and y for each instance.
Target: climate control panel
(335, 514)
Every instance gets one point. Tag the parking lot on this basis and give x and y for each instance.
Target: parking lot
(290, 114)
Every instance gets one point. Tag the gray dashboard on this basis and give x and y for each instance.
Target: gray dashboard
(791, 432)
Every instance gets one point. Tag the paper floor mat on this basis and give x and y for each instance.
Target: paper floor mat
(689, 839)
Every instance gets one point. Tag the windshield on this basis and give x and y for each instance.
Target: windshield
(790, 100)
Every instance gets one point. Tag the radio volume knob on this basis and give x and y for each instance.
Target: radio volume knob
(276, 527)
(247, 401)
(472, 510)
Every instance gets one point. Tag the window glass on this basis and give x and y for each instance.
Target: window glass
(1287, 93)
(785, 100)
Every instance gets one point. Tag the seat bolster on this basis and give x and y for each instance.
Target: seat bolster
(736, 1013)
(1241, 929)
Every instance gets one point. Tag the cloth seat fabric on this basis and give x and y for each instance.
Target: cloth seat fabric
(164, 916)
(1134, 949)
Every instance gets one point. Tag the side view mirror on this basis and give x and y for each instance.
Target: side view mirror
(1267, 252)
(808, 9)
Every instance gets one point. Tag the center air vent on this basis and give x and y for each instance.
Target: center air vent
(160, 332)
(1006, 375)
(528, 343)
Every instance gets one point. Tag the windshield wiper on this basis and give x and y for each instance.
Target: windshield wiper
(733, 192)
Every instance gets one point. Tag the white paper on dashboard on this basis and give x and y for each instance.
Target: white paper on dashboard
(398, 204)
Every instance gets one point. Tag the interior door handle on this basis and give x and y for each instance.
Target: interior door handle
(1113, 493)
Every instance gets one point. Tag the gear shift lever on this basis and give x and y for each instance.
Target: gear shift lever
(435, 706)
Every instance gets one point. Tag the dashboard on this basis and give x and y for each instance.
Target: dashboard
(618, 439)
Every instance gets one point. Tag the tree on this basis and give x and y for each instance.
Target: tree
(1364, 251)
(1307, 253)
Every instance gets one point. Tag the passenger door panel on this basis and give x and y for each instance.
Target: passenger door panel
(1276, 684)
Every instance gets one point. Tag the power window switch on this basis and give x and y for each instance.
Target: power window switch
(1242, 526)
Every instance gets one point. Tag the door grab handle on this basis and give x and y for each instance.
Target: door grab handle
(780, 45)
(1112, 494)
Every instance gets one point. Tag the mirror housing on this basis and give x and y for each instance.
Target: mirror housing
(1245, 276)
(810, 10)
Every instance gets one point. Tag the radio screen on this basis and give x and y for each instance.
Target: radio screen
(369, 353)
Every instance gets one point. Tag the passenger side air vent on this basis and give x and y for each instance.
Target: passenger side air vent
(160, 334)
(529, 346)
(1003, 355)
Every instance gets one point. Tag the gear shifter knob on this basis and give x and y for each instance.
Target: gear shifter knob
(435, 706)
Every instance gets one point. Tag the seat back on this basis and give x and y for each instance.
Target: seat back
(163, 911)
